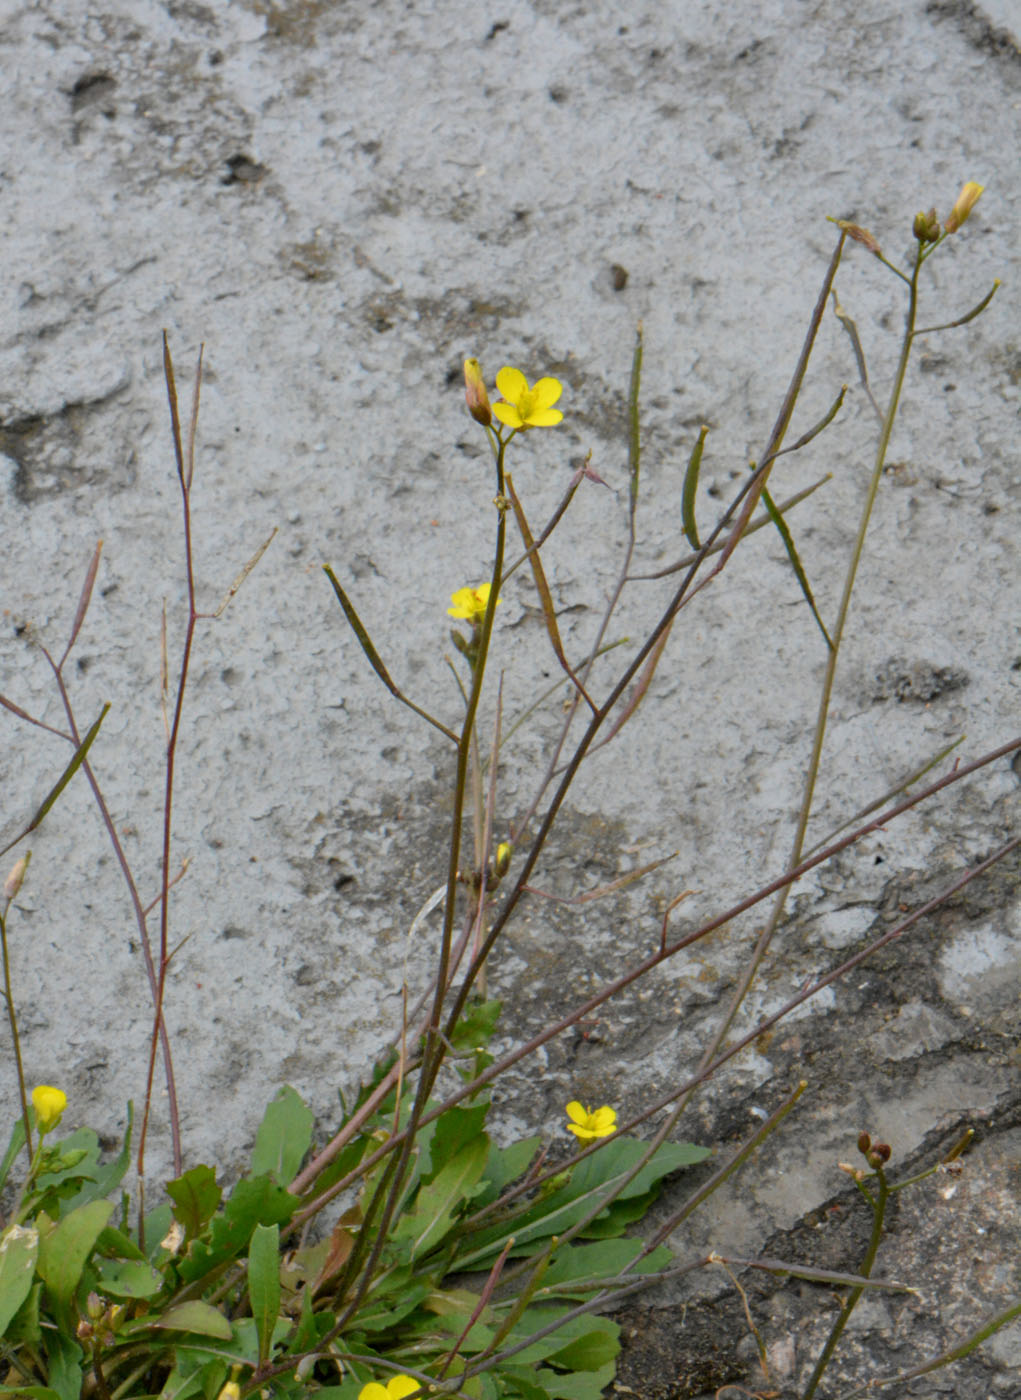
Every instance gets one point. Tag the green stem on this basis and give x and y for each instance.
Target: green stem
(388, 1192)
(878, 1204)
(833, 656)
(13, 1019)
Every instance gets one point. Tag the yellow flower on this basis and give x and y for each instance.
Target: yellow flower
(588, 1123)
(527, 407)
(471, 603)
(475, 393)
(396, 1388)
(49, 1104)
(965, 203)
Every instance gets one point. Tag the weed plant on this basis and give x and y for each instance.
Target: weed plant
(413, 1253)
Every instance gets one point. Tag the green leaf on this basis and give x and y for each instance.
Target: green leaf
(522, 1384)
(115, 1244)
(598, 1346)
(577, 1385)
(254, 1201)
(592, 1179)
(127, 1278)
(690, 490)
(506, 1165)
(549, 612)
(15, 1145)
(63, 1252)
(195, 1316)
(182, 1383)
(615, 1220)
(311, 1326)
(381, 1314)
(438, 1203)
(75, 763)
(454, 1130)
(242, 1346)
(19, 1249)
(792, 554)
(33, 1392)
(375, 661)
(576, 1264)
(157, 1226)
(476, 1026)
(264, 1284)
(75, 1163)
(284, 1136)
(65, 1364)
(587, 1342)
(104, 1179)
(195, 1196)
(25, 1326)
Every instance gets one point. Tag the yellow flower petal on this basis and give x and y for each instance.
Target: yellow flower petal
(49, 1104)
(470, 604)
(588, 1123)
(373, 1391)
(511, 383)
(527, 407)
(546, 392)
(544, 418)
(400, 1386)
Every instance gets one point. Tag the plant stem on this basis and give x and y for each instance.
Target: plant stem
(878, 1203)
(12, 1017)
(832, 658)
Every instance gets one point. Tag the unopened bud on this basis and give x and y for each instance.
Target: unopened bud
(963, 206)
(926, 226)
(13, 882)
(860, 235)
(880, 1154)
(504, 852)
(95, 1306)
(864, 1143)
(475, 393)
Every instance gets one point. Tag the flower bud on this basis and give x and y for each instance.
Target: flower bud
(13, 882)
(49, 1104)
(503, 858)
(475, 393)
(926, 226)
(864, 1143)
(880, 1154)
(965, 203)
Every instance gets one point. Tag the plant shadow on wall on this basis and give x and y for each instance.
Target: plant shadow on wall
(412, 1252)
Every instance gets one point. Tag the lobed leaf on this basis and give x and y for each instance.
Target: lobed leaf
(254, 1201)
(195, 1196)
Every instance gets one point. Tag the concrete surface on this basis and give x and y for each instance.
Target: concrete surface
(343, 201)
